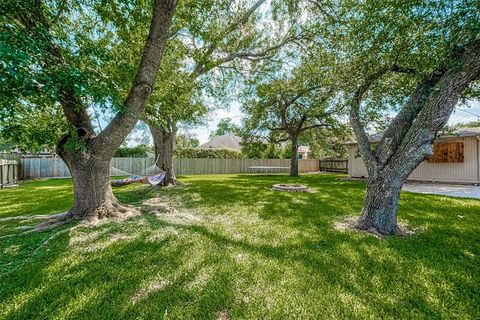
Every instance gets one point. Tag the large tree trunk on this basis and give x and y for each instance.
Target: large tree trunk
(164, 140)
(93, 197)
(294, 160)
(408, 141)
(88, 155)
(379, 213)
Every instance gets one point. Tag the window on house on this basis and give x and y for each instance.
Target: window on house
(447, 152)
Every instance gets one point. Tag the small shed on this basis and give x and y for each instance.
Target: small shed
(455, 159)
(302, 152)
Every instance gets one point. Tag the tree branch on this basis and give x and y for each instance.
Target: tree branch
(200, 69)
(402, 122)
(279, 140)
(358, 128)
(144, 81)
(462, 69)
(314, 126)
(252, 56)
(406, 70)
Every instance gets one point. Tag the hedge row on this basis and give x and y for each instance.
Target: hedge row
(193, 153)
(132, 152)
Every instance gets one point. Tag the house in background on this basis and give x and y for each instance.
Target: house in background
(227, 141)
(455, 159)
(302, 152)
(231, 141)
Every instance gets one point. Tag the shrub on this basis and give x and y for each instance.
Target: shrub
(132, 152)
(193, 153)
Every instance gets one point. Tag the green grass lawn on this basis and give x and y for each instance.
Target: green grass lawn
(226, 246)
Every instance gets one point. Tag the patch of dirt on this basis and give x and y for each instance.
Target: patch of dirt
(91, 242)
(161, 208)
(118, 212)
(223, 315)
(350, 224)
(149, 288)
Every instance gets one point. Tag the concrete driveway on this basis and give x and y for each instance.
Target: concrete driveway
(452, 190)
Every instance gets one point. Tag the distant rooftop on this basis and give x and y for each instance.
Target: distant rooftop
(227, 141)
(303, 149)
(468, 132)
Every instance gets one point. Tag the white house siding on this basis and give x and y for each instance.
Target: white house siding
(464, 172)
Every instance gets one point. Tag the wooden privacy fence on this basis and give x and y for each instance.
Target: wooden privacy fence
(9, 172)
(54, 167)
(334, 165)
(10, 156)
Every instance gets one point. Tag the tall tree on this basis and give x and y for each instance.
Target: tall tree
(186, 140)
(223, 40)
(176, 101)
(327, 143)
(417, 58)
(287, 107)
(225, 126)
(54, 49)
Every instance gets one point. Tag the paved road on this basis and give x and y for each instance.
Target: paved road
(453, 190)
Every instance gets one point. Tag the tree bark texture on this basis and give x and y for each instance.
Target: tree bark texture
(164, 140)
(294, 159)
(379, 212)
(93, 197)
(409, 138)
(89, 160)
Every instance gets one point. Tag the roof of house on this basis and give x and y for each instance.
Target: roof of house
(303, 149)
(227, 141)
(459, 132)
(468, 132)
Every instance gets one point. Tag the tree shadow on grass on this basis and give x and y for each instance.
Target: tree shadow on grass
(321, 205)
(136, 276)
(151, 268)
(127, 278)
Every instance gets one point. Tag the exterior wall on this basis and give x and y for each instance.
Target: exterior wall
(356, 167)
(304, 155)
(464, 172)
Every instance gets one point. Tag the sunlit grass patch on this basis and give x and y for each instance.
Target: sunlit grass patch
(227, 245)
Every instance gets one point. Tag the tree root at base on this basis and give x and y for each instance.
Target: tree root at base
(39, 228)
(115, 211)
(397, 230)
(36, 217)
(352, 223)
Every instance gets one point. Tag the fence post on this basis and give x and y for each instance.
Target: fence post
(1, 175)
